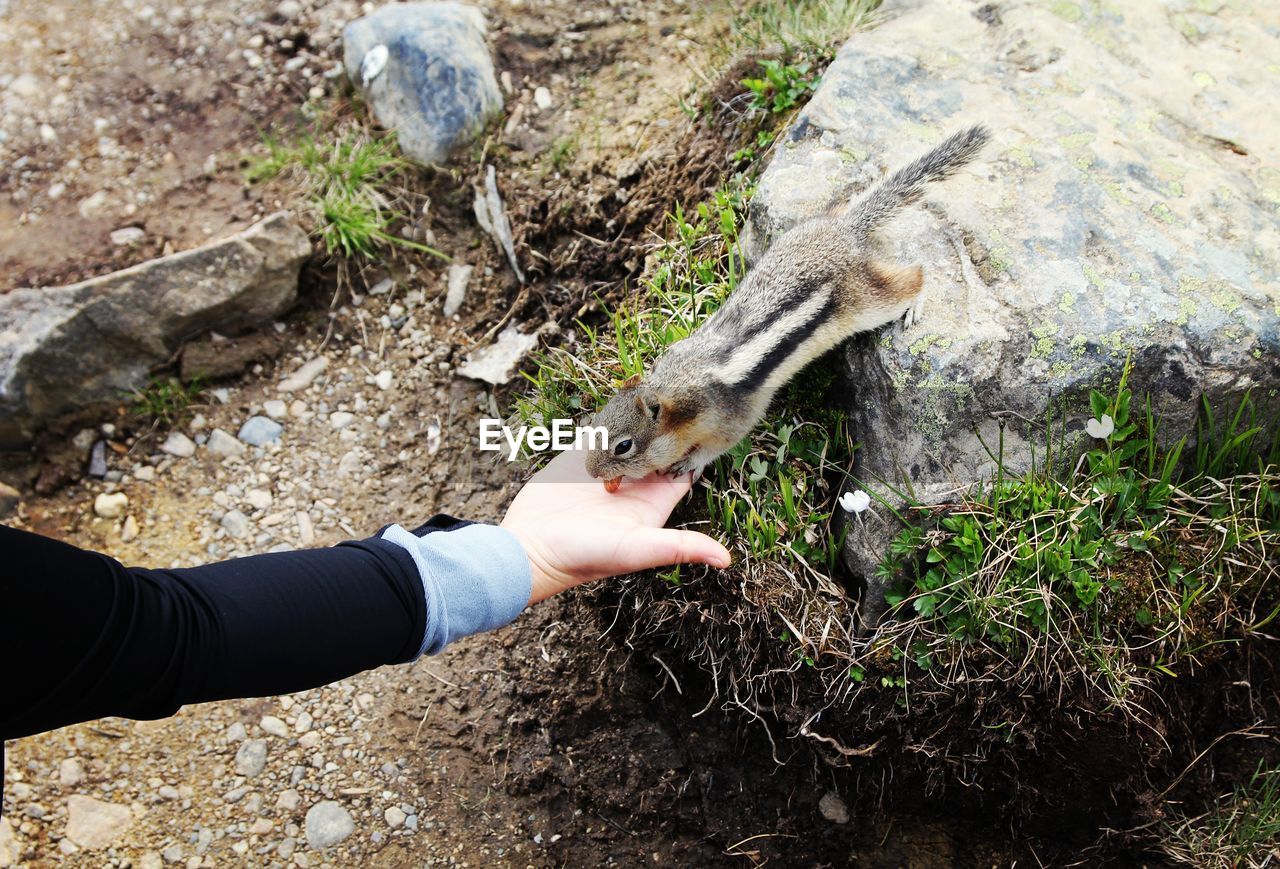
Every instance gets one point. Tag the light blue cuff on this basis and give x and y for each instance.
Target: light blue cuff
(476, 578)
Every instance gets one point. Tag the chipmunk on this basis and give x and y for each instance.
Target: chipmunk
(815, 287)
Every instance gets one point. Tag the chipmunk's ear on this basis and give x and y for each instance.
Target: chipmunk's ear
(647, 402)
(632, 381)
(896, 282)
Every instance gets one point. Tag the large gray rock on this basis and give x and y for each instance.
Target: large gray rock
(1128, 206)
(65, 349)
(425, 70)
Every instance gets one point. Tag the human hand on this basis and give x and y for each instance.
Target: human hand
(574, 531)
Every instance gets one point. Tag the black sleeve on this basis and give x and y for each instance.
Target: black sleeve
(86, 637)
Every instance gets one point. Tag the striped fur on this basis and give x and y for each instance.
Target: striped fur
(816, 286)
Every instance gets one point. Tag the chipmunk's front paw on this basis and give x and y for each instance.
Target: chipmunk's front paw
(915, 313)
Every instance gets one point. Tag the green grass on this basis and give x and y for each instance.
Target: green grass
(165, 400)
(1240, 831)
(800, 27)
(351, 186)
(1127, 557)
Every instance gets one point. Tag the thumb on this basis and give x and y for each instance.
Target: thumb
(659, 547)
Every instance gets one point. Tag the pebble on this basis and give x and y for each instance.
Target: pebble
(110, 505)
(303, 377)
(129, 531)
(127, 235)
(275, 408)
(303, 722)
(95, 824)
(222, 444)
(274, 726)
(236, 732)
(395, 817)
(236, 523)
(383, 380)
(542, 97)
(289, 9)
(178, 444)
(172, 854)
(70, 772)
(150, 860)
(327, 824)
(251, 758)
(289, 800)
(306, 531)
(168, 792)
(145, 473)
(235, 795)
(259, 499)
(341, 418)
(260, 827)
(260, 431)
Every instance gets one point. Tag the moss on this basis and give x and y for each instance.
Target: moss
(1044, 333)
(1067, 304)
(1162, 212)
(1092, 274)
(938, 398)
(928, 341)
(1225, 299)
(1022, 155)
(1075, 140)
(1067, 11)
(1117, 192)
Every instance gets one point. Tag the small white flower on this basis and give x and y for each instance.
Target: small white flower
(372, 63)
(855, 502)
(1100, 430)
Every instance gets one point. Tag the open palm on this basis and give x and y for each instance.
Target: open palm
(574, 531)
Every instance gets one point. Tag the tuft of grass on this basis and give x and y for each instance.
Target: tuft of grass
(166, 399)
(1240, 831)
(351, 184)
(801, 27)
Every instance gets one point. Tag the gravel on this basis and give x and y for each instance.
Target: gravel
(222, 444)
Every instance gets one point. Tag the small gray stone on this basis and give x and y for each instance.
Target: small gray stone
(327, 824)
(168, 792)
(235, 795)
(237, 524)
(394, 817)
(275, 408)
(127, 236)
(70, 772)
(178, 444)
(274, 726)
(252, 757)
(222, 444)
(459, 277)
(289, 9)
(260, 431)
(341, 418)
(236, 732)
(303, 377)
(289, 800)
(172, 854)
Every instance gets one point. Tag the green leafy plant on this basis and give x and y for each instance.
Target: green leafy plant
(782, 87)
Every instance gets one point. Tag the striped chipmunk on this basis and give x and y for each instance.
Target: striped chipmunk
(816, 286)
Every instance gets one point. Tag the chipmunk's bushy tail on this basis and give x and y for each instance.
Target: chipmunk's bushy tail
(907, 184)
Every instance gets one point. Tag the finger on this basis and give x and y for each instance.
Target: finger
(663, 491)
(659, 547)
(568, 466)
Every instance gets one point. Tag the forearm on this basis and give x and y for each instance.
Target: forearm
(87, 637)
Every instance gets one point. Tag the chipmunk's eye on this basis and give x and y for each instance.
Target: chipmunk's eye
(622, 447)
